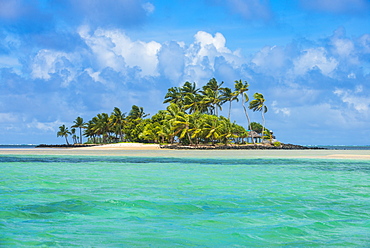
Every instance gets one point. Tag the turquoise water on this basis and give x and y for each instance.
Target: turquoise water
(177, 202)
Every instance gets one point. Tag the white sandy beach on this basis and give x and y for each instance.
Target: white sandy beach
(122, 146)
(153, 150)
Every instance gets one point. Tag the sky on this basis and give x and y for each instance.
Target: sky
(60, 59)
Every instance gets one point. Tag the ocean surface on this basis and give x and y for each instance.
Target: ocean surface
(82, 201)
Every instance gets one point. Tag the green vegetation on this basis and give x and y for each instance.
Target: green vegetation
(191, 118)
(277, 144)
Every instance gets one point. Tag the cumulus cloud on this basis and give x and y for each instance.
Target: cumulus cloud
(48, 62)
(112, 48)
(356, 99)
(171, 59)
(314, 58)
(301, 81)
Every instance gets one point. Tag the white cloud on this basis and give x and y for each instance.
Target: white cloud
(271, 60)
(8, 117)
(44, 126)
(171, 59)
(9, 62)
(314, 58)
(354, 99)
(113, 48)
(47, 62)
(365, 42)
(201, 56)
(148, 7)
(278, 110)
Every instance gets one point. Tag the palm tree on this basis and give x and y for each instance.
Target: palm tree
(212, 96)
(90, 132)
(174, 95)
(212, 128)
(241, 88)
(117, 120)
(193, 103)
(228, 96)
(74, 136)
(63, 132)
(228, 130)
(183, 126)
(258, 104)
(137, 112)
(102, 126)
(189, 88)
(79, 123)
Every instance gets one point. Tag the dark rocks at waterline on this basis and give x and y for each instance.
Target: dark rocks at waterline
(64, 146)
(242, 147)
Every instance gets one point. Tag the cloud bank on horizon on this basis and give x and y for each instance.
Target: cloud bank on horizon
(65, 59)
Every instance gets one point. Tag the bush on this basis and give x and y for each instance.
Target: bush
(277, 144)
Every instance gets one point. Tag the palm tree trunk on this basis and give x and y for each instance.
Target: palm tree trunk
(229, 111)
(263, 123)
(249, 121)
(67, 140)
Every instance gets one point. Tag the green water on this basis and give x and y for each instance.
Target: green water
(183, 202)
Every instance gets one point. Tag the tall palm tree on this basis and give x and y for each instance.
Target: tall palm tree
(63, 132)
(241, 88)
(117, 120)
(211, 92)
(189, 88)
(258, 104)
(193, 103)
(90, 132)
(102, 126)
(175, 95)
(211, 100)
(74, 136)
(137, 112)
(79, 123)
(228, 95)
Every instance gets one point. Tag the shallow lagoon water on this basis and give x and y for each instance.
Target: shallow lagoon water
(140, 201)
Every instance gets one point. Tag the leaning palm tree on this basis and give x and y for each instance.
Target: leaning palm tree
(63, 132)
(258, 104)
(79, 123)
(241, 88)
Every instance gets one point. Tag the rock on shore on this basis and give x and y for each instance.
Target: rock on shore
(63, 146)
(243, 147)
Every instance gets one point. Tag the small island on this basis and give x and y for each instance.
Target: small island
(190, 121)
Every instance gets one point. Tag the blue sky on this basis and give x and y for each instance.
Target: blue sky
(62, 59)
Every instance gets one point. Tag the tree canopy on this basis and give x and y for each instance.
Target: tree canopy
(191, 117)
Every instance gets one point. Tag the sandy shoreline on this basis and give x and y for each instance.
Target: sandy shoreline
(121, 146)
(152, 150)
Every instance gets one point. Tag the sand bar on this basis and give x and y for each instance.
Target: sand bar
(152, 150)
